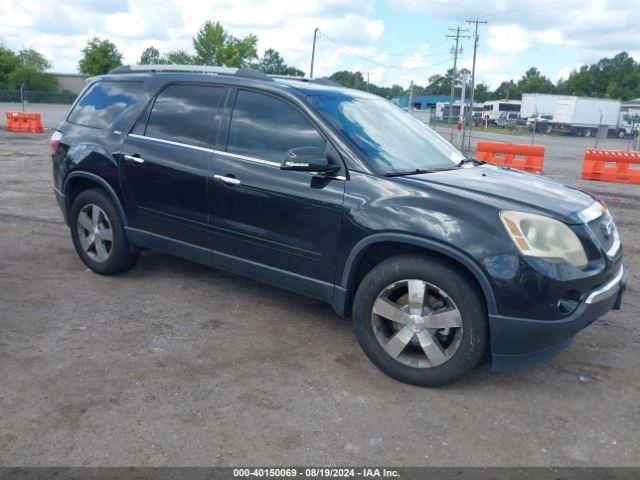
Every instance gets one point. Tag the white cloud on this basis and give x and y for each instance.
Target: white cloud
(590, 29)
(286, 25)
(508, 39)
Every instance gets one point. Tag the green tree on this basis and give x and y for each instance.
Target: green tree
(349, 79)
(272, 63)
(441, 84)
(30, 72)
(508, 90)
(534, 82)
(178, 57)
(98, 57)
(214, 46)
(482, 93)
(617, 77)
(8, 63)
(150, 56)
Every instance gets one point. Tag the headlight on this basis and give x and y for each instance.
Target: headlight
(540, 236)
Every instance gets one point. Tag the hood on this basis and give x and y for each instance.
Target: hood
(533, 192)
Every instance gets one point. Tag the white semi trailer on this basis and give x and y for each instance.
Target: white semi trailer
(581, 116)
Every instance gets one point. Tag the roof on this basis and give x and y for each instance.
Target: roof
(310, 86)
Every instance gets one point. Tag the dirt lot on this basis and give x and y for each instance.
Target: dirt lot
(174, 363)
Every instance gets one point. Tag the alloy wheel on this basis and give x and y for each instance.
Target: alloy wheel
(417, 323)
(95, 233)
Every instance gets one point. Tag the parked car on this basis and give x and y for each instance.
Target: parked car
(507, 118)
(540, 123)
(338, 195)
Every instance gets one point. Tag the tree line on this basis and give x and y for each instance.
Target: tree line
(617, 77)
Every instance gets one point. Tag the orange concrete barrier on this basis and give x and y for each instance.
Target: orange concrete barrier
(618, 166)
(523, 157)
(24, 122)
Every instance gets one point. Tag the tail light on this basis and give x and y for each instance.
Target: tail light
(55, 140)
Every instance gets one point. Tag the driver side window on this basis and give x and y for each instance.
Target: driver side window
(265, 127)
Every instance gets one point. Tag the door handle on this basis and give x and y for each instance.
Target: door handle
(227, 180)
(134, 159)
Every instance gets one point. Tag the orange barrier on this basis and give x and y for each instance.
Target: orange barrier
(24, 122)
(523, 157)
(597, 166)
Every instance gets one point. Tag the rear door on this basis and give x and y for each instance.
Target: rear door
(166, 161)
(281, 219)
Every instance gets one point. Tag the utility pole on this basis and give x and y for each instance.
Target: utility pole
(456, 50)
(465, 79)
(476, 39)
(313, 51)
(410, 102)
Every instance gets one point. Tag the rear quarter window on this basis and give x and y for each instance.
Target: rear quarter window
(103, 102)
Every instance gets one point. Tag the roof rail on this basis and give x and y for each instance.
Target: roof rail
(242, 72)
(320, 81)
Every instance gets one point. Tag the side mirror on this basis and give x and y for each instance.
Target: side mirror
(308, 159)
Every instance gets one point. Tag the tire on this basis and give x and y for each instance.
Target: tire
(91, 236)
(587, 133)
(622, 133)
(548, 129)
(453, 352)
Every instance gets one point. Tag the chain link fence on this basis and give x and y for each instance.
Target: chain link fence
(32, 96)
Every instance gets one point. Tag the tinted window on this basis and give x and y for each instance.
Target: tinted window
(265, 127)
(103, 102)
(509, 107)
(185, 113)
(392, 139)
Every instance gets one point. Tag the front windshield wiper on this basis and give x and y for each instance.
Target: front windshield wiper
(464, 161)
(417, 171)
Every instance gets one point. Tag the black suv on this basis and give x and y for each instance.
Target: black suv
(339, 195)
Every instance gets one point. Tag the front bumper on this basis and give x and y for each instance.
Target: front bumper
(520, 342)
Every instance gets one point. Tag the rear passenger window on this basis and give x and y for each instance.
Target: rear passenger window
(103, 102)
(185, 114)
(265, 127)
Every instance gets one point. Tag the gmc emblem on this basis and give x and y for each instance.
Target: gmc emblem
(607, 228)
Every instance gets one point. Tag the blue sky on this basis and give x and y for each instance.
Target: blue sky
(395, 41)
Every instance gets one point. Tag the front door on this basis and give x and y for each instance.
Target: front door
(165, 170)
(285, 220)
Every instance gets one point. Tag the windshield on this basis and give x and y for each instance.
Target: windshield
(390, 138)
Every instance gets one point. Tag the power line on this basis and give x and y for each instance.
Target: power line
(517, 11)
(370, 60)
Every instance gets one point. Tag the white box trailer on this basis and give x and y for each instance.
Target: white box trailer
(581, 116)
(538, 104)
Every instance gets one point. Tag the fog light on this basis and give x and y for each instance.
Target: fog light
(569, 302)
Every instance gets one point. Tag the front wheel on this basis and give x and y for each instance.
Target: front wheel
(420, 320)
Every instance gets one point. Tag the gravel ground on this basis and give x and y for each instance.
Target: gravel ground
(174, 363)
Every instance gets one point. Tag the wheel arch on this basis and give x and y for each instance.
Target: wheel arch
(354, 263)
(74, 179)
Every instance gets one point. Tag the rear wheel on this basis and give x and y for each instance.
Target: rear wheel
(420, 320)
(587, 132)
(98, 234)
